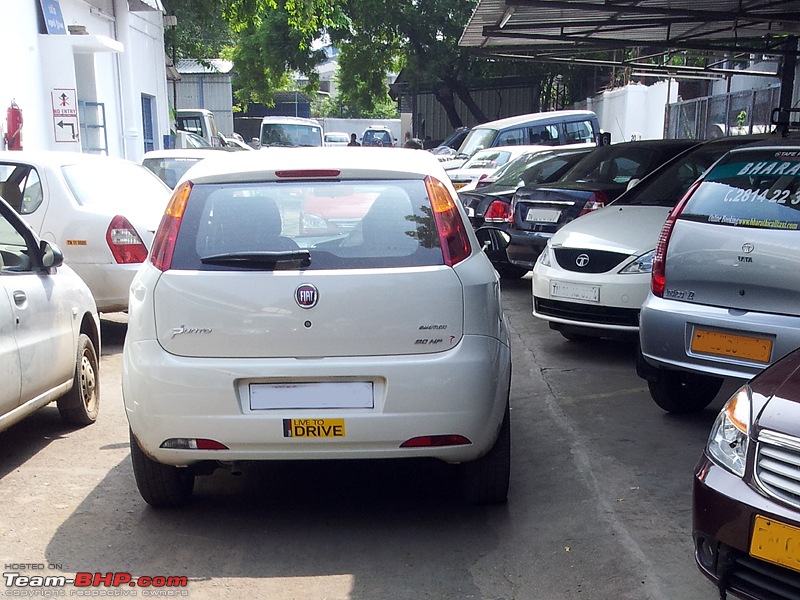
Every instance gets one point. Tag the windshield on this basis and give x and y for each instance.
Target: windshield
(612, 164)
(290, 134)
(170, 170)
(490, 159)
(477, 139)
(116, 184)
(668, 185)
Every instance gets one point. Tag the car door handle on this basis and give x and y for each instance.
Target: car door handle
(20, 298)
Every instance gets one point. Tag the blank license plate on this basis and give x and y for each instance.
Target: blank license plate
(543, 215)
(776, 543)
(313, 428)
(339, 394)
(575, 291)
(732, 345)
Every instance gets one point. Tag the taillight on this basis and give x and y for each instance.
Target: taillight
(452, 232)
(124, 242)
(658, 279)
(597, 200)
(498, 212)
(167, 234)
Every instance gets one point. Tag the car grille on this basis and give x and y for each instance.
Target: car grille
(762, 580)
(588, 313)
(778, 466)
(593, 261)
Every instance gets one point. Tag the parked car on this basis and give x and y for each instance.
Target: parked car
(235, 143)
(724, 287)
(539, 211)
(746, 496)
(101, 211)
(552, 128)
(594, 274)
(289, 132)
(49, 330)
(377, 135)
(249, 341)
(450, 145)
(491, 205)
(485, 162)
(336, 138)
(170, 165)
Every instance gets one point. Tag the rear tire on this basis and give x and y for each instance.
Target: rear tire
(160, 485)
(80, 405)
(680, 392)
(485, 480)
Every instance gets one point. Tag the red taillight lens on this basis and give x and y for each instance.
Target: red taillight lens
(433, 441)
(167, 234)
(498, 212)
(597, 200)
(124, 242)
(658, 280)
(452, 232)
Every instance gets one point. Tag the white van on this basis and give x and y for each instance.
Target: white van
(199, 121)
(289, 131)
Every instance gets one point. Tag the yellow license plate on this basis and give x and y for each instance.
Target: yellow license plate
(313, 428)
(731, 345)
(776, 543)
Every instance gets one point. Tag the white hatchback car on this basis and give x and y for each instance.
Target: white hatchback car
(49, 330)
(252, 338)
(101, 211)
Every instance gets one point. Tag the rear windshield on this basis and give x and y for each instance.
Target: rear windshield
(112, 185)
(335, 225)
(290, 134)
(756, 188)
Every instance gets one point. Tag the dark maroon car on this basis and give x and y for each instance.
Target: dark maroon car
(746, 518)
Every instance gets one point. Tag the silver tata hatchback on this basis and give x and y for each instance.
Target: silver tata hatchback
(725, 277)
(316, 304)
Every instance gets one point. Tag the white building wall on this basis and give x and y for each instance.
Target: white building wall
(37, 64)
(634, 111)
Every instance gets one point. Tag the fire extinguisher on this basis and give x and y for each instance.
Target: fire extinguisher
(14, 127)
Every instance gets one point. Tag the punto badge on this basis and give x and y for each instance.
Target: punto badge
(306, 296)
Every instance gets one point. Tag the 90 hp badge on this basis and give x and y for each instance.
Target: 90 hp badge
(306, 296)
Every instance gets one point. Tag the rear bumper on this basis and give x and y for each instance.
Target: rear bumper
(724, 510)
(462, 391)
(667, 328)
(110, 283)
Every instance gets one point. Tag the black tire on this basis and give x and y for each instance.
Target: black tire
(160, 485)
(680, 392)
(485, 481)
(80, 405)
(510, 271)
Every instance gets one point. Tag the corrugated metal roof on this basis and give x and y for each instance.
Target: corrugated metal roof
(188, 66)
(567, 27)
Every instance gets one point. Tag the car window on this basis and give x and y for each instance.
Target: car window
(170, 169)
(512, 137)
(755, 188)
(114, 184)
(487, 160)
(20, 186)
(477, 139)
(290, 134)
(13, 248)
(612, 164)
(357, 224)
(579, 131)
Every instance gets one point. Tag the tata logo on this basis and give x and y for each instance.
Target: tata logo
(306, 296)
(748, 248)
(582, 260)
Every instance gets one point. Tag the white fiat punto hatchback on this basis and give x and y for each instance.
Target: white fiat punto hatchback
(313, 304)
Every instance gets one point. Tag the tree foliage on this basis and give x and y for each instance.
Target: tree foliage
(274, 38)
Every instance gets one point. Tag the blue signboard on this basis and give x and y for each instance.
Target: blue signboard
(53, 19)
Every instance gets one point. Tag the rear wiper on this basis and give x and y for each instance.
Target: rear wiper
(281, 260)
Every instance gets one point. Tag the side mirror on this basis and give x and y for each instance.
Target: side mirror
(631, 183)
(51, 255)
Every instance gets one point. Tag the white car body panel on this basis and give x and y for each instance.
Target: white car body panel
(80, 229)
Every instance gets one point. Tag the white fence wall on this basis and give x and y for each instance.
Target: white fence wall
(633, 112)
